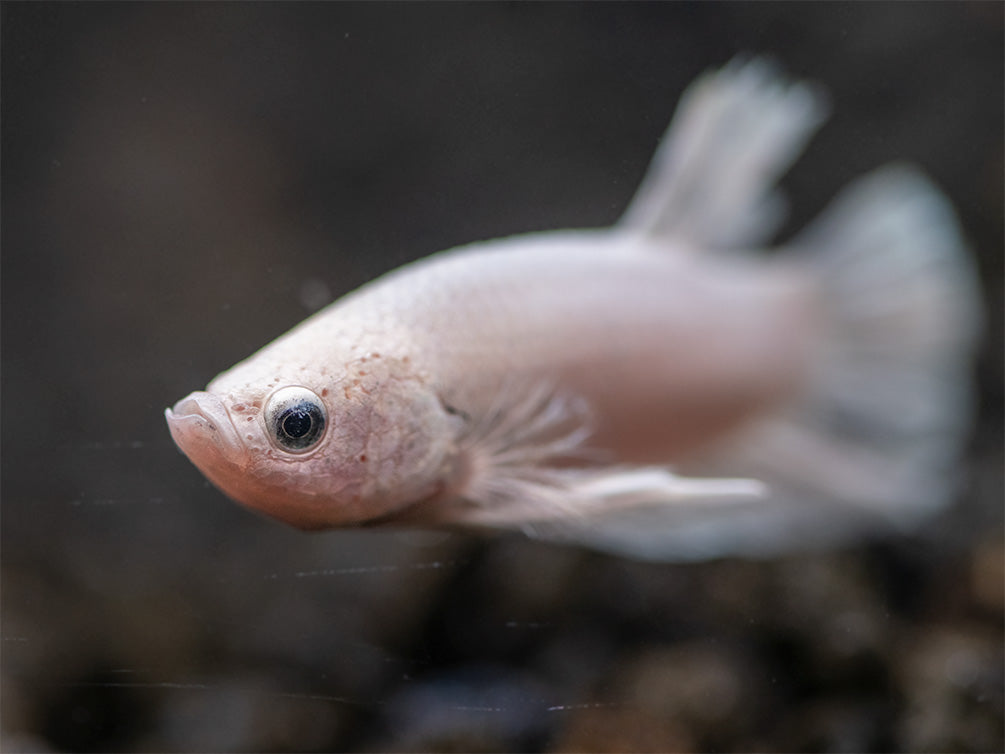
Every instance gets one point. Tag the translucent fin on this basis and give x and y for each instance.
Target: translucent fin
(711, 182)
(872, 448)
(565, 503)
(893, 379)
(525, 467)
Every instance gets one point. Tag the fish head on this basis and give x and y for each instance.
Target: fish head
(319, 447)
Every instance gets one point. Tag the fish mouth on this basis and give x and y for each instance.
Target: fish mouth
(201, 420)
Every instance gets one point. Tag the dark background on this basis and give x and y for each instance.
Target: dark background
(184, 182)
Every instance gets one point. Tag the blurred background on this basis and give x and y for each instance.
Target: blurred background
(184, 182)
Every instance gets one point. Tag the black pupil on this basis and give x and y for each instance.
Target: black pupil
(298, 422)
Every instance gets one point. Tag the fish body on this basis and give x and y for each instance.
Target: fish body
(560, 382)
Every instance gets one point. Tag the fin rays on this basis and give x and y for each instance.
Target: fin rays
(711, 182)
(529, 468)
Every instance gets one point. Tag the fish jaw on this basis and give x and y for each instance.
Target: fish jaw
(327, 487)
(204, 431)
(202, 428)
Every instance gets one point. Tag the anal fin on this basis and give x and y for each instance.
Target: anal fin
(526, 466)
(563, 499)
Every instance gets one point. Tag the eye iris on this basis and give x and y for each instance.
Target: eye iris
(296, 418)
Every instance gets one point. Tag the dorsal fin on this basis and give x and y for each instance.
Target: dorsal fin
(711, 182)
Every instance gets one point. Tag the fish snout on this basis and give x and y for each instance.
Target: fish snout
(201, 421)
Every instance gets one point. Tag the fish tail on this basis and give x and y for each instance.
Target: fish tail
(874, 444)
(712, 181)
(901, 297)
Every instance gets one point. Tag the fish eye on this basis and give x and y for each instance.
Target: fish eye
(295, 418)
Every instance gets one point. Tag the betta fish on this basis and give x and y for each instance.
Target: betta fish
(663, 388)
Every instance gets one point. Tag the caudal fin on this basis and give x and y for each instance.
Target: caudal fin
(874, 445)
(900, 292)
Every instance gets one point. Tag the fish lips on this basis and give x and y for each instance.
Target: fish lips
(201, 426)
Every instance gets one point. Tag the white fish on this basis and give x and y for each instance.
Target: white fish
(656, 388)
